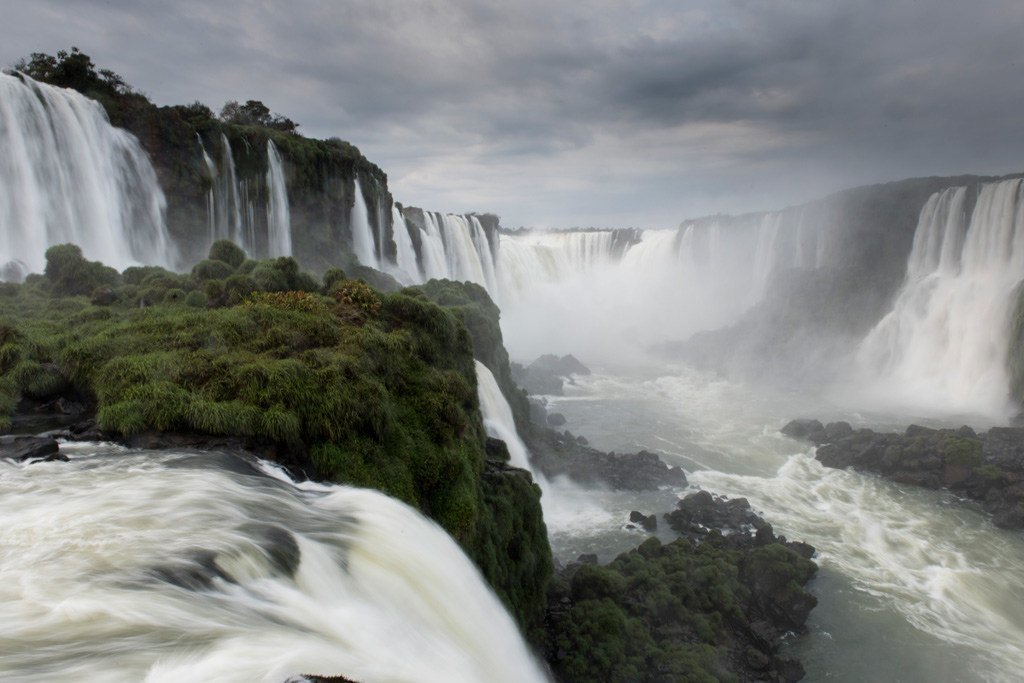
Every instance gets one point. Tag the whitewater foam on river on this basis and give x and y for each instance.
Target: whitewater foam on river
(921, 581)
(178, 566)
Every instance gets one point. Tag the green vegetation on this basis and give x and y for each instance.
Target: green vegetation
(355, 386)
(667, 613)
(481, 317)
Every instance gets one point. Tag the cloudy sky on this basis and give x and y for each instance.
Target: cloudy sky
(609, 113)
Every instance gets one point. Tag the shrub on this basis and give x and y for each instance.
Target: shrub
(237, 288)
(268, 278)
(174, 296)
(196, 299)
(211, 269)
(68, 273)
(228, 252)
(332, 277)
(357, 295)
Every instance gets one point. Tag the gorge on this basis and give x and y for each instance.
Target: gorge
(335, 341)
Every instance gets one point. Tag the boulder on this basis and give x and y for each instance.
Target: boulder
(23, 448)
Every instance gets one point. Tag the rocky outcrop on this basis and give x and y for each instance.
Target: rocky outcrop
(22, 448)
(547, 375)
(987, 468)
(712, 605)
(555, 455)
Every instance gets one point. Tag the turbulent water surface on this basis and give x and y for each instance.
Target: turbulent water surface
(923, 582)
(162, 566)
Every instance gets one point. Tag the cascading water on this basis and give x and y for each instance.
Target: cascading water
(211, 196)
(230, 210)
(943, 347)
(362, 233)
(498, 419)
(408, 267)
(67, 175)
(279, 229)
(163, 566)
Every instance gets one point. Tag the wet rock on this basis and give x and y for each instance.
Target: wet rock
(555, 454)
(23, 448)
(987, 467)
(802, 428)
(547, 375)
(556, 419)
(647, 522)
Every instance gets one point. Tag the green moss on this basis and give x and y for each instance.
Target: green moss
(961, 451)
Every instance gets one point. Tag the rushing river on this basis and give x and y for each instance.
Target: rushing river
(162, 566)
(914, 585)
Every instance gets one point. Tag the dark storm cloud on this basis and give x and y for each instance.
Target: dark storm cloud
(600, 112)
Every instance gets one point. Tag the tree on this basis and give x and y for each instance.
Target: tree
(255, 113)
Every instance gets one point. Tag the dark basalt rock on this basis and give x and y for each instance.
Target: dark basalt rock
(555, 454)
(700, 511)
(547, 374)
(23, 448)
(647, 522)
(988, 467)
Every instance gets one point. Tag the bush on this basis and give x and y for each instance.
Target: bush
(357, 295)
(332, 277)
(211, 269)
(196, 299)
(68, 273)
(228, 252)
(268, 278)
(174, 296)
(237, 289)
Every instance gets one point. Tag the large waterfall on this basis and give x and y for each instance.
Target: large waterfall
(67, 175)
(163, 566)
(944, 344)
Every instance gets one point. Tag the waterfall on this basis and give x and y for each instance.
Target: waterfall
(362, 233)
(279, 231)
(498, 420)
(211, 196)
(406, 261)
(945, 340)
(435, 262)
(67, 175)
(230, 217)
(164, 566)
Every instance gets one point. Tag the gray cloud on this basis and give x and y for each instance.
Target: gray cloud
(564, 113)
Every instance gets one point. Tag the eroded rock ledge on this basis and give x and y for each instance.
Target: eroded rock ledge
(987, 467)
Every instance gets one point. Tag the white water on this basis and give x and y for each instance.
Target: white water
(380, 593)
(943, 347)
(67, 175)
(923, 582)
(497, 414)
(613, 290)
(362, 233)
(406, 262)
(279, 229)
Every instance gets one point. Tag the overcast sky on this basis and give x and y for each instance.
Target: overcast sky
(610, 113)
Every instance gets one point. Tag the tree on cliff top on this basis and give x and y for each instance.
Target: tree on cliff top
(255, 113)
(73, 69)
